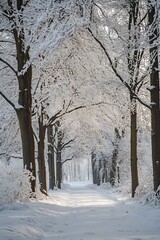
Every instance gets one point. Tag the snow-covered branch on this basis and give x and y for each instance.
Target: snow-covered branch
(110, 60)
(65, 144)
(9, 65)
(68, 159)
(7, 99)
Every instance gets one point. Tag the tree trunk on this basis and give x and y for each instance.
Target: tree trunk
(59, 158)
(154, 91)
(24, 77)
(59, 174)
(99, 169)
(51, 165)
(94, 168)
(24, 113)
(41, 157)
(28, 148)
(133, 62)
(133, 140)
(114, 157)
(104, 175)
(113, 166)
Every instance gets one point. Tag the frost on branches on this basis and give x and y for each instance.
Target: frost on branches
(34, 29)
(45, 23)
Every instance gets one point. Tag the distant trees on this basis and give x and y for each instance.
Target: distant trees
(104, 168)
(114, 168)
(100, 168)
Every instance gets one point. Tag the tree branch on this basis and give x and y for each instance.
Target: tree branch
(68, 159)
(95, 4)
(5, 62)
(10, 102)
(110, 60)
(65, 144)
(26, 3)
(117, 74)
(58, 115)
(142, 102)
(53, 118)
(6, 41)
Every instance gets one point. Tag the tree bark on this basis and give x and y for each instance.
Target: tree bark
(24, 77)
(99, 172)
(41, 157)
(94, 168)
(51, 165)
(133, 60)
(104, 175)
(59, 157)
(133, 141)
(28, 148)
(114, 158)
(154, 91)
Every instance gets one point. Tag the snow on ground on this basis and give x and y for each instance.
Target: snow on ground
(80, 212)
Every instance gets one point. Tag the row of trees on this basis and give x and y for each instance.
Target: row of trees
(136, 36)
(35, 29)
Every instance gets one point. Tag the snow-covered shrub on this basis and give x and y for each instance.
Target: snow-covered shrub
(14, 183)
(145, 183)
(151, 198)
(144, 192)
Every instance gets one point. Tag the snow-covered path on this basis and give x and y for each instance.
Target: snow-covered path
(80, 213)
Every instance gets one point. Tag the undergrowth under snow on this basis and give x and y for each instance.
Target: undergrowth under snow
(14, 184)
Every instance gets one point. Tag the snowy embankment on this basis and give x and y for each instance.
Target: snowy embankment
(80, 212)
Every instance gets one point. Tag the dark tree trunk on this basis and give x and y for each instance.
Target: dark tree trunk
(59, 158)
(94, 168)
(118, 174)
(114, 158)
(24, 110)
(133, 150)
(28, 148)
(51, 166)
(113, 167)
(59, 174)
(24, 77)
(104, 175)
(133, 62)
(154, 92)
(99, 172)
(41, 157)
(25, 122)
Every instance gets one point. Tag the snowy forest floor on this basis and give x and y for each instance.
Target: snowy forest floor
(80, 212)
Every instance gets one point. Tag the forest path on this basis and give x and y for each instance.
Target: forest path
(80, 212)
